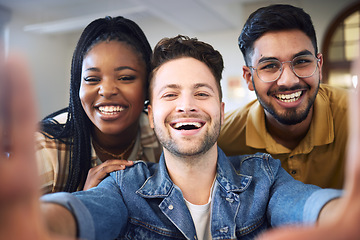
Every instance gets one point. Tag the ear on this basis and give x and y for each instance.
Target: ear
(320, 64)
(150, 116)
(222, 111)
(247, 75)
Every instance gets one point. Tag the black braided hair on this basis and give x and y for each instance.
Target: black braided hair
(76, 131)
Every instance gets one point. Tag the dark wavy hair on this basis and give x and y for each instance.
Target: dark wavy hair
(182, 46)
(275, 17)
(76, 131)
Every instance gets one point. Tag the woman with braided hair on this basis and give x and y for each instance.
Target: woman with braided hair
(105, 124)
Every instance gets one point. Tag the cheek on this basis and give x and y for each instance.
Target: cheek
(262, 88)
(163, 110)
(217, 112)
(136, 94)
(314, 80)
(84, 95)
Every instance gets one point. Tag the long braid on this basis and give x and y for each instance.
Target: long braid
(80, 153)
(76, 132)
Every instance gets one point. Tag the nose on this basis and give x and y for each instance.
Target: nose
(287, 76)
(108, 88)
(186, 104)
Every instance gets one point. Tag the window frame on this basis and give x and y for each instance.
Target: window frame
(338, 20)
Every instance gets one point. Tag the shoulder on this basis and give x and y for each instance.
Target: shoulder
(253, 164)
(44, 140)
(138, 172)
(239, 113)
(235, 121)
(253, 158)
(51, 150)
(335, 95)
(336, 99)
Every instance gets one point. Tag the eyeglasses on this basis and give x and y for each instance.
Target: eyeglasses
(270, 70)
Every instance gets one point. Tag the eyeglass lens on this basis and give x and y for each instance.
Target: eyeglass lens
(303, 66)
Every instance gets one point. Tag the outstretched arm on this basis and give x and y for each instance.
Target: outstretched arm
(20, 211)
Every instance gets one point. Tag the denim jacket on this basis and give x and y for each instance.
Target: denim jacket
(252, 194)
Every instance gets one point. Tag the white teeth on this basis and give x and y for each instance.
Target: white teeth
(110, 109)
(289, 97)
(180, 124)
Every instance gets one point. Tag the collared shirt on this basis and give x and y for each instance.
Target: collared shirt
(53, 155)
(252, 193)
(318, 159)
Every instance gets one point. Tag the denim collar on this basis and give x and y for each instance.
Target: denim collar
(159, 185)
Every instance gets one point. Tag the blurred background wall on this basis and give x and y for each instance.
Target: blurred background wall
(47, 32)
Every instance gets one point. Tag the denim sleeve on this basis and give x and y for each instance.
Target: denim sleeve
(100, 212)
(293, 202)
(317, 201)
(85, 224)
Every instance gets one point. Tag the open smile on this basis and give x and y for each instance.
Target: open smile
(187, 125)
(287, 98)
(111, 110)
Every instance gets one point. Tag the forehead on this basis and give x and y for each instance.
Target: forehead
(114, 52)
(282, 45)
(185, 72)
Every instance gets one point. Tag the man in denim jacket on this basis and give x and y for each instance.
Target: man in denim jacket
(195, 192)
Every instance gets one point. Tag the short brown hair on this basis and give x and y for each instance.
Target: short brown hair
(182, 46)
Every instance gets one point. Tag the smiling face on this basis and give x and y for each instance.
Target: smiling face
(112, 90)
(289, 99)
(185, 111)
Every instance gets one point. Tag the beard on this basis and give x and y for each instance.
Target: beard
(188, 147)
(290, 116)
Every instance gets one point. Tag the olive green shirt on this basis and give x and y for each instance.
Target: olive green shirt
(318, 159)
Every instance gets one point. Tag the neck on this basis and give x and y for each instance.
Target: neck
(193, 175)
(113, 144)
(288, 135)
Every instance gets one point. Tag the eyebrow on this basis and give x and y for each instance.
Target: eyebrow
(199, 85)
(124, 67)
(196, 86)
(173, 86)
(95, 69)
(304, 52)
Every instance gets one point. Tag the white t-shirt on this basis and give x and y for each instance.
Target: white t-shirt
(201, 217)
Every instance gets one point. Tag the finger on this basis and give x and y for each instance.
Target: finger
(113, 164)
(299, 233)
(22, 110)
(18, 191)
(104, 170)
(19, 124)
(353, 152)
(98, 173)
(4, 109)
(119, 162)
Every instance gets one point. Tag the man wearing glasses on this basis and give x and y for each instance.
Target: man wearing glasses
(295, 118)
